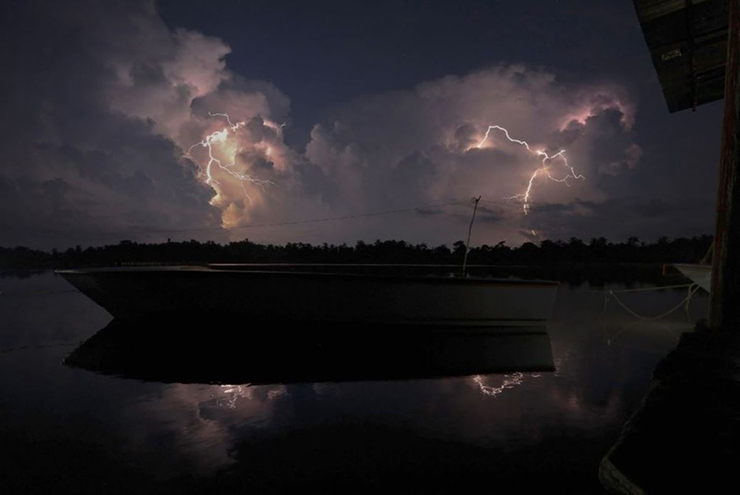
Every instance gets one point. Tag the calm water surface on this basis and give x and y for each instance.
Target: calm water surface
(68, 430)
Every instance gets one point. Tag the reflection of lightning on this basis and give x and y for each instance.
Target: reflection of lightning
(221, 137)
(232, 393)
(544, 168)
(510, 381)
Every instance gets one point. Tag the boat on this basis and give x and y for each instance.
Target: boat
(307, 294)
(698, 273)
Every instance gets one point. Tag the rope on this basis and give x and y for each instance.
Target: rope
(708, 255)
(40, 346)
(38, 293)
(643, 289)
(684, 302)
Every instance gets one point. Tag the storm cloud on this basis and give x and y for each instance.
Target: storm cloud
(422, 146)
(109, 114)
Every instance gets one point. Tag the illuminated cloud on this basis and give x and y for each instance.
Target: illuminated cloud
(108, 103)
(420, 146)
(185, 90)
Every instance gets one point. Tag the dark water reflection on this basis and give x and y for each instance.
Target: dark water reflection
(66, 429)
(228, 353)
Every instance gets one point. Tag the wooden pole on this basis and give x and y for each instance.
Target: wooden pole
(724, 306)
(470, 230)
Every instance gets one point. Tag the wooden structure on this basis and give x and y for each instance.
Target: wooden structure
(688, 44)
(694, 46)
(684, 436)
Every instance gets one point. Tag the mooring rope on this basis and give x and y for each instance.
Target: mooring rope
(645, 289)
(37, 293)
(612, 294)
(53, 345)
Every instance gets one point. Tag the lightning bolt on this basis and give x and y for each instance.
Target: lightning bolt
(221, 137)
(544, 168)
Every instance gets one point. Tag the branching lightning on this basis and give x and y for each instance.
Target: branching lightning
(221, 137)
(545, 165)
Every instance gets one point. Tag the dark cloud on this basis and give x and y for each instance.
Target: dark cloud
(74, 166)
(621, 217)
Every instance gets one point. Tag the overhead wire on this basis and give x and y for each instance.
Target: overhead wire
(143, 231)
(313, 220)
(136, 232)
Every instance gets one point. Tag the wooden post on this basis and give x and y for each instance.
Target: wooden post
(724, 306)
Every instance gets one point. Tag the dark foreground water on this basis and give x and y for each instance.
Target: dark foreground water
(66, 429)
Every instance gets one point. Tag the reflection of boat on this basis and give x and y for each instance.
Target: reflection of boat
(160, 352)
(699, 274)
(272, 292)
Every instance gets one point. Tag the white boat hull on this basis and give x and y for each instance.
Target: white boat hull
(133, 293)
(699, 274)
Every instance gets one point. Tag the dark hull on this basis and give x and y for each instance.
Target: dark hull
(202, 353)
(335, 298)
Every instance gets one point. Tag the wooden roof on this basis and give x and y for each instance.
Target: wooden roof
(688, 44)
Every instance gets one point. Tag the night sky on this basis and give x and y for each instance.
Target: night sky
(339, 109)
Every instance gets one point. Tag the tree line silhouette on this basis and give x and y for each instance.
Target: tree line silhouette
(574, 251)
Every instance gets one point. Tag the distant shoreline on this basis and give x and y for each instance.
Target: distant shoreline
(574, 261)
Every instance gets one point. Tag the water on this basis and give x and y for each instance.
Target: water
(70, 430)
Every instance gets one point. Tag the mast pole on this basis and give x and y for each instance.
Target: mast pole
(470, 230)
